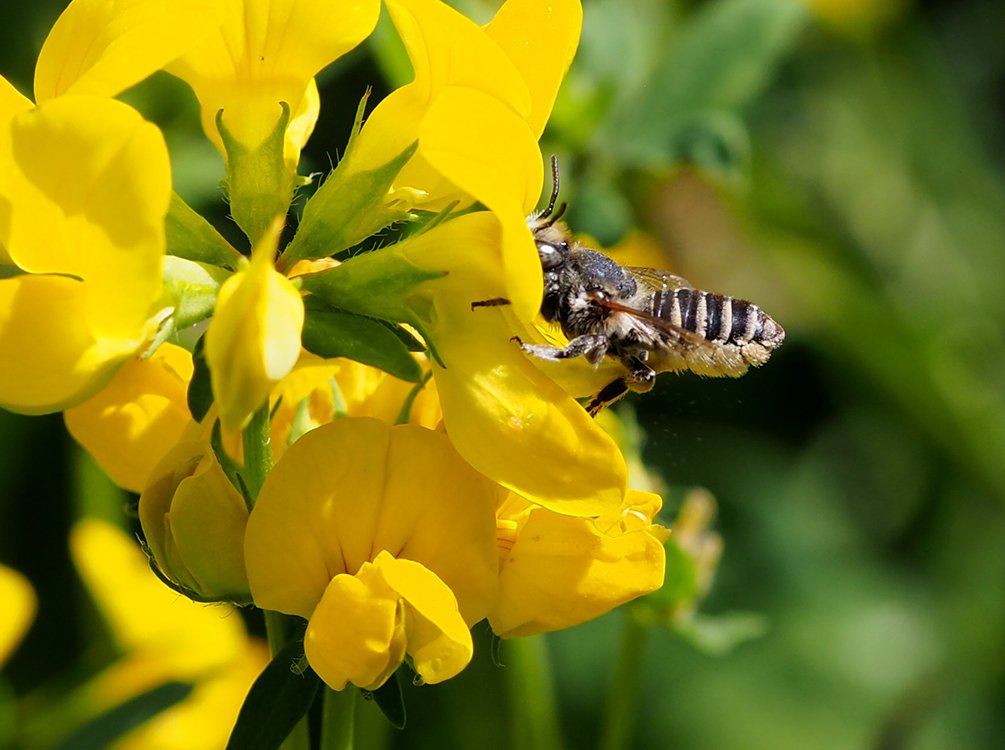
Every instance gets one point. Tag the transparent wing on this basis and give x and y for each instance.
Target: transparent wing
(657, 281)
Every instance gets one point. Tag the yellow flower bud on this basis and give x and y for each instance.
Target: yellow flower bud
(254, 338)
(194, 522)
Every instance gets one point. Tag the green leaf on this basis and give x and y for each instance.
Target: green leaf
(390, 700)
(721, 58)
(337, 333)
(377, 284)
(107, 728)
(200, 389)
(350, 206)
(279, 698)
(191, 237)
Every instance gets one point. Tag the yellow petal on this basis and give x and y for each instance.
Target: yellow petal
(352, 488)
(438, 639)
(504, 415)
(446, 49)
(101, 48)
(355, 634)
(54, 360)
(131, 424)
(496, 161)
(540, 40)
(253, 340)
(88, 184)
(12, 101)
(19, 610)
(365, 624)
(562, 571)
(268, 52)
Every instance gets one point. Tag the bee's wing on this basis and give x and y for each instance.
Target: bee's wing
(658, 281)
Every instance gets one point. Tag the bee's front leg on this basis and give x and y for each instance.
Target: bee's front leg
(591, 346)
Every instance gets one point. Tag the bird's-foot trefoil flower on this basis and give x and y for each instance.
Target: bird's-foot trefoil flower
(383, 538)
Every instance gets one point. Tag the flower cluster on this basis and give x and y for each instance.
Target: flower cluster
(350, 443)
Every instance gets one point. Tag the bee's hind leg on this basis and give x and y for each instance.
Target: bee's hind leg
(592, 347)
(607, 396)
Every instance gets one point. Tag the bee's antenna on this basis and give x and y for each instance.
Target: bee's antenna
(550, 212)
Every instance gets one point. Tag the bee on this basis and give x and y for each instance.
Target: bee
(650, 321)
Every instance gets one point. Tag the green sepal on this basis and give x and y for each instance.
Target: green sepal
(200, 389)
(390, 700)
(331, 333)
(680, 581)
(278, 699)
(379, 284)
(349, 206)
(191, 237)
(190, 288)
(259, 186)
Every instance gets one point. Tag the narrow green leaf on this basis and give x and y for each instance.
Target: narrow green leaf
(107, 728)
(200, 390)
(191, 237)
(337, 333)
(390, 700)
(377, 284)
(279, 698)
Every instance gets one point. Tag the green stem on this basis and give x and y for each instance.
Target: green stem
(531, 690)
(257, 451)
(278, 627)
(622, 703)
(338, 719)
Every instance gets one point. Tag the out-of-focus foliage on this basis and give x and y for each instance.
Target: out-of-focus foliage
(837, 163)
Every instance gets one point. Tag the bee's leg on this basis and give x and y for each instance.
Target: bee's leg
(494, 302)
(641, 376)
(607, 396)
(593, 347)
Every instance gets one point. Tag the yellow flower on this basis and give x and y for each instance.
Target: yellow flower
(164, 638)
(254, 338)
(507, 418)
(383, 538)
(84, 189)
(262, 58)
(19, 610)
(131, 424)
(557, 571)
(267, 52)
(194, 520)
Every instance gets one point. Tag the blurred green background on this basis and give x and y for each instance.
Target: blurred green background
(840, 164)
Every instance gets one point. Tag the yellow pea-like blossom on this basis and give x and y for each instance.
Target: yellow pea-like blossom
(253, 340)
(193, 521)
(266, 52)
(132, 423)
(84, 189)
(384, 539)
(19, 610)
(557, 571)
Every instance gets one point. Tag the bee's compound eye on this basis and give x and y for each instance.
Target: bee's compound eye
(549, 254)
